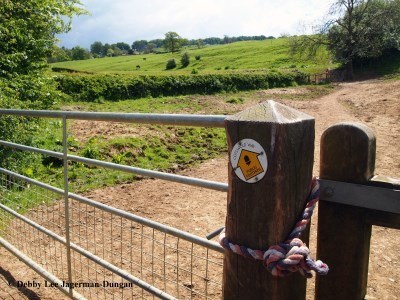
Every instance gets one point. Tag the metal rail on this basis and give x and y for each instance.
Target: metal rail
(162, 119)
(118, 212)
(123, 274)
(141, 118)
(33, 181)
(212, 185)
(155, 225)
(105, 264)
(32, 149)
(42, 272)
(361, 195)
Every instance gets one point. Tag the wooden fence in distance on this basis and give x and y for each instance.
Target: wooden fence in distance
(336, 75)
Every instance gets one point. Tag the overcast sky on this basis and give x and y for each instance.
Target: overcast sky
(129, 20)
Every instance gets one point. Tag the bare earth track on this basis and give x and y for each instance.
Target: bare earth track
(375, 103)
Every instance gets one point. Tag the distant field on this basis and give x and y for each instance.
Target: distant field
(239, 56)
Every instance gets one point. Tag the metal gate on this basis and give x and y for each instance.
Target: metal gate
(64, 238)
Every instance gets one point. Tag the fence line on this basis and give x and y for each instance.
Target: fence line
(218, 186)
(74, 239)
(90, 256)
(140, 118)
(76, 228)
(335, 75)
(119, 212)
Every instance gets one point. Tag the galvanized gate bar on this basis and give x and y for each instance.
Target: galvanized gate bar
(161, 227)
(123, 274)
(383, 199)
(155, 225)
(162, 119)
(35, 225)
(66, 201)
(31, 149)
(143, 118)
(32, 181)
(42, 272)
(212, 185)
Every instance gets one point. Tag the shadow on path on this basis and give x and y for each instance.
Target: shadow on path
(12, 282)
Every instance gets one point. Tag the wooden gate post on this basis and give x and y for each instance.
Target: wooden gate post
(347, 155)
(263, 213)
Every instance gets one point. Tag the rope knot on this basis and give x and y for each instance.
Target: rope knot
(291, 256)
(286, 258)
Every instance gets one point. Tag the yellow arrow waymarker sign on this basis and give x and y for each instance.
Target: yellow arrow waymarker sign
(249, 164)
(249, 160)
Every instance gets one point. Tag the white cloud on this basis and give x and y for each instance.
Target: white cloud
(130, 20)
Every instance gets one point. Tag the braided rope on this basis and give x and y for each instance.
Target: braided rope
(290, 256)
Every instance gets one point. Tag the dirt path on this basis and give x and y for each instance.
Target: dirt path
(375, 103)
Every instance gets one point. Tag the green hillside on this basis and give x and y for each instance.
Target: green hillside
(239, 56)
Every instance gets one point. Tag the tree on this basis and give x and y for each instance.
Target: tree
(227, 39)
(212, 41)
(200, 43)
(139, 46)
(116, 51)
(123, 47)
(184, 42)
(27, 36)
(110, 52)
(58, 54)
(172, 41)
(96, 49)
(150, 47)
(185, 60)
(105, 51)
(79, 53)
(171, 63)
(364, 29)
(28, 30)
(158, 42)
(346, 34)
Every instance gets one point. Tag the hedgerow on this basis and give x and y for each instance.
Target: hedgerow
(121, 87)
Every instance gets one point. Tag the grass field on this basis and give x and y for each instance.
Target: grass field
(239, 56)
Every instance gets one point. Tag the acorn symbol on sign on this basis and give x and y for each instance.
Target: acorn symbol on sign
(247, 160)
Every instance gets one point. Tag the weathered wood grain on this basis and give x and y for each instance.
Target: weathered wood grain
(347, 155)
(263, 214)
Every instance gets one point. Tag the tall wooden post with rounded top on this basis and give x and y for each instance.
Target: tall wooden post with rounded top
(348, 155)
(264, 206)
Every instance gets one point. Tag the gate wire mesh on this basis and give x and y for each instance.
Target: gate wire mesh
(178, 267)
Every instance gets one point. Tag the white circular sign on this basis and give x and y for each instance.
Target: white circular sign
(249, 160)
